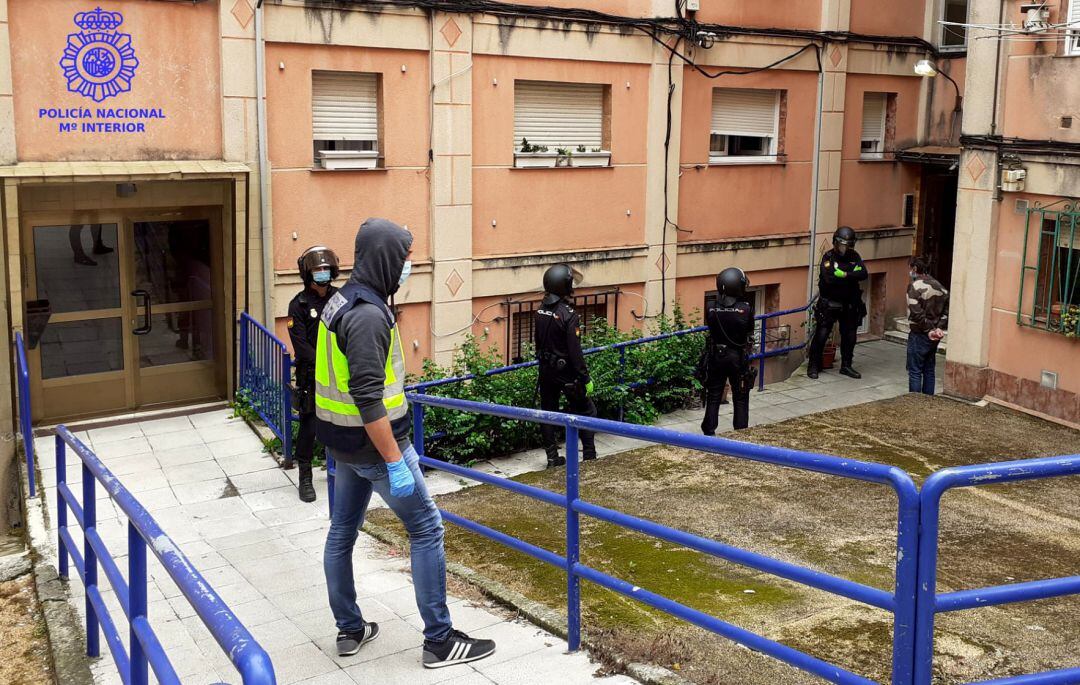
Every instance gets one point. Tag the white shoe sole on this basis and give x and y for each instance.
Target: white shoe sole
(370, 639)
(443, 664)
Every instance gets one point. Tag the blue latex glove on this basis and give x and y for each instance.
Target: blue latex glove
(402, 482)
(840, 273)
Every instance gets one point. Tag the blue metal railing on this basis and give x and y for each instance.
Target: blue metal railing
(930, 603)
(900, 601)
(26, 429)
(266, 377)
(246, 655)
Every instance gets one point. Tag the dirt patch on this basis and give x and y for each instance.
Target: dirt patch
(24, 649)
(993, 535)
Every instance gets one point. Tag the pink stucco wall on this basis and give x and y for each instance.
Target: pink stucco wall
(800, 14)
(871, 192)
(179, 71)
(328, 206)
(535, 210)
(885, 18)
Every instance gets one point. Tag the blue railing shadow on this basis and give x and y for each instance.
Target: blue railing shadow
(26, 430)
(250, 660)
(900, 602)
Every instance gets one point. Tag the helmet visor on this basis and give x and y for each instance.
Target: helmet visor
(321, 258)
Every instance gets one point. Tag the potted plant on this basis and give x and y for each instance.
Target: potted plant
(1070, 321)
(564, 156)
(828, 353)
(590, 158)
(530, 156)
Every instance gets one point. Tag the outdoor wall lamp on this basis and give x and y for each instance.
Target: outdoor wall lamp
(928, 69)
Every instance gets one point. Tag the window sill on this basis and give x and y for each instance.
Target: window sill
(886, 157)
(763, 160)
(320, 170)
(560, 168)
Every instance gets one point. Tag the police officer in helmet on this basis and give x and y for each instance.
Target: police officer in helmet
(727, 351)
(318, 268)
(563, 371)
(839, 301)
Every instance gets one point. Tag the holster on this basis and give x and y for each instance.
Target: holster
(304, 393)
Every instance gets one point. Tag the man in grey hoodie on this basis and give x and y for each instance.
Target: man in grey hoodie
(363, 419)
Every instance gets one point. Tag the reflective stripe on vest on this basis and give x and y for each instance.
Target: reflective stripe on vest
(333, 403)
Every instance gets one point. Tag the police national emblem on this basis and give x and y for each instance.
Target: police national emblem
(99, 62)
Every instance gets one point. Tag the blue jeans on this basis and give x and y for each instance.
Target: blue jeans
(921, 360)
(352, 493)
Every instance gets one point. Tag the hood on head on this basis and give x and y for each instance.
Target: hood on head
(381, 250)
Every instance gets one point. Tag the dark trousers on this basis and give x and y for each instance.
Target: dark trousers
(848, 317)
(921, 362)
(726, 366)
(577, 402)
(304, 445)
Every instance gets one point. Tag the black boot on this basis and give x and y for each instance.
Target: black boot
(307, 490)
(849, 372)
(812, 372)
(553, 458)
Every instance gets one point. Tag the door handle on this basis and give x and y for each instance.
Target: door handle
(147, 324)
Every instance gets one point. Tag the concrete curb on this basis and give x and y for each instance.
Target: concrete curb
(539, 614)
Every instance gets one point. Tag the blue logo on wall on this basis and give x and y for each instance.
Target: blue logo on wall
(99, 63)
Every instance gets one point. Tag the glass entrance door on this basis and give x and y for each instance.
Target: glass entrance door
(174, 293)
(124, 312)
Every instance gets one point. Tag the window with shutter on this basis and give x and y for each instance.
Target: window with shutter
(744, 124)
(559, 115)
(1072, 40)
(873, 125)
(345, 119)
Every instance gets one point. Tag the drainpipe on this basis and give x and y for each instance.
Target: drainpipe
(812, 258)
(264, 163)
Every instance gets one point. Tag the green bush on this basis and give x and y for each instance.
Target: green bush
(468, 436)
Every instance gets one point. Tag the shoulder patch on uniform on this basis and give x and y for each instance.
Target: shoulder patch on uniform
(291, 322)
(332, 306)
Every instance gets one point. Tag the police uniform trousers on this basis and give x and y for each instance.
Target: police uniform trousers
(577, 401)
(828, 313)
(304, 445)
(726, 365)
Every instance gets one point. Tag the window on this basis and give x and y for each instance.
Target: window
(1052, 258)
(954, 12)
(1072, 39)
(560, 115)
(345, 119)
(875, 106)
(756, 296)
(908, 218)
(523, 318)
(744, 125)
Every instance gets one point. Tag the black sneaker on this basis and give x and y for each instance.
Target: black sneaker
(811, 372)
(459, 648)
(350, 643)
(849, 372)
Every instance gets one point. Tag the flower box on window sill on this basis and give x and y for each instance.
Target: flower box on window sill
(535, 160)
(725, 160)
(348, 159)
(590, 159)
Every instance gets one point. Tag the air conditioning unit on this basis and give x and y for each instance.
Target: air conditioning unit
(1036, 16)
(1012, 180)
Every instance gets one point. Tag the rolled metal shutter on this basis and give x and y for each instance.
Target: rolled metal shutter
(1072, 42)
(873, 117)
(744, 112)
(344, 106)
(559, 114)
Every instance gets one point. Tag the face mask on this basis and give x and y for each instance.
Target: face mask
(405, 271)
(321, 277)
(913, 276)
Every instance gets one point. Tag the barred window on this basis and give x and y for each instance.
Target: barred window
(1050, 276)
(523, 320)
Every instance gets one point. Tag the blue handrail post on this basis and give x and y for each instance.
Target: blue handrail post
(62, 508)
(927, 582)
(418, 426)
(286, 408)
(761, 361)
(622, 378)
(906, 584)
(25, 423)
(136, 603)
(90, 579)
(243, 352)
(573, 542)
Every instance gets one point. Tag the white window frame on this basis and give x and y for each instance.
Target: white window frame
(719, 157)
(878, 150)
(553, 139)
(941, 29)
(1072, 35)
(347, 149)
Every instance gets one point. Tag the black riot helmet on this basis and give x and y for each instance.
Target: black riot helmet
(731, 285)
(559, 280)
(317, 257)
(844, 235)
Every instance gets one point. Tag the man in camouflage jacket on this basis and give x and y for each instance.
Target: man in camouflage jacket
(928, 307)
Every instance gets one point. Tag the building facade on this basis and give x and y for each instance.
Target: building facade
(1016, 274)
(164, 163)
